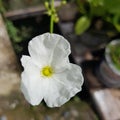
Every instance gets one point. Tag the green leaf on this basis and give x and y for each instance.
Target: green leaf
(112, 6)
(98, 11)
(96, 2)
(13, 32)
(2, 9)
(82, 25)
(116, 22)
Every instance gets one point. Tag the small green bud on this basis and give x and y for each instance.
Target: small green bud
(49, 12)
(46, 5)
(64, 2)
(56, 18)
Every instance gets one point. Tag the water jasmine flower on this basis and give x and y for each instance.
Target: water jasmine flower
(48, 75)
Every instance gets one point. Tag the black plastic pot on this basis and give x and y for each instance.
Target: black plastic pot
(107, 76)
(107, 73)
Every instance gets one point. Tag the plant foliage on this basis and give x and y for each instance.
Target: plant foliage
(115, 55)
(108, 10)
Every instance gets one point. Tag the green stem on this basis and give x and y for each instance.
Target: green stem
(51, 24)
(52, 17)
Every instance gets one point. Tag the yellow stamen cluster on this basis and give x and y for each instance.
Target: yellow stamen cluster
(47, 71)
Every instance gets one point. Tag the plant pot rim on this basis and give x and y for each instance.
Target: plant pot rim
(108, 58)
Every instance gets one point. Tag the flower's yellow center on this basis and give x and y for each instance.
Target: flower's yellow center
(47, 71)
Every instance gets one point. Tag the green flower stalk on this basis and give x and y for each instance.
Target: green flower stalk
(52, 12)
(52, 17)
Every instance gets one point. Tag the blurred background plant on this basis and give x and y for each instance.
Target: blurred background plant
(115, 54)
(16, 35)
(108, 10)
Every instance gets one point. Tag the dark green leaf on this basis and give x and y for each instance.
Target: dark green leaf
(116, 22)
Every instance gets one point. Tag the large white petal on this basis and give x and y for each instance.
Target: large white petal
(60, 54)
(31, 84)
(72, 76)
(64, 86)
(49, 49)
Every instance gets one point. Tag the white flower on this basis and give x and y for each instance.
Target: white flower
(47, 72)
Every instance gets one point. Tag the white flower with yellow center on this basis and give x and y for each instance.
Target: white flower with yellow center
(48, 74)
